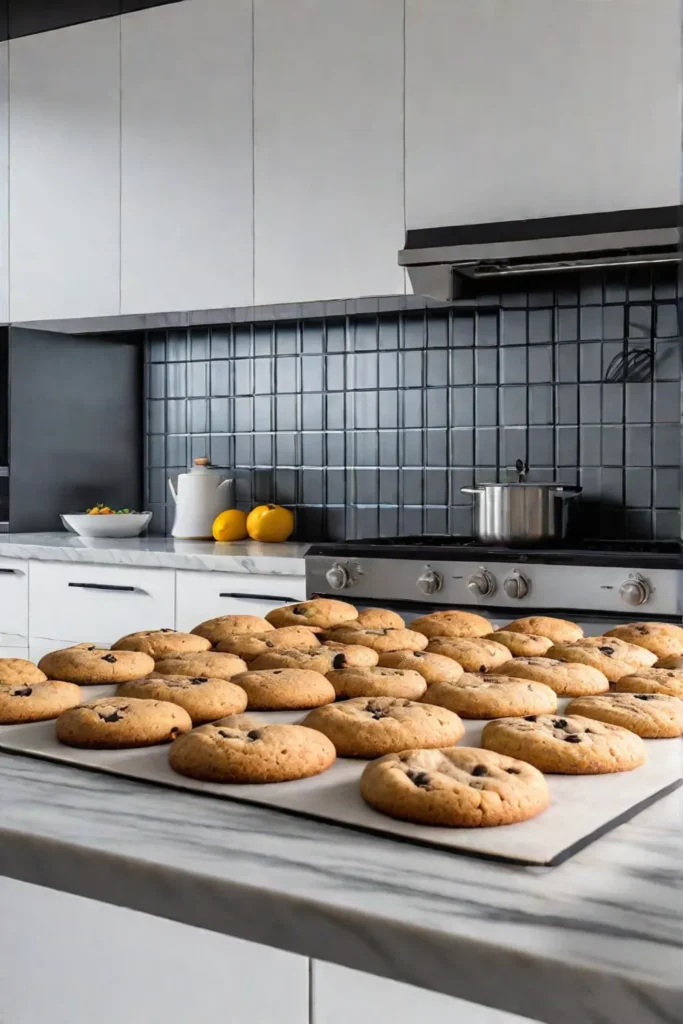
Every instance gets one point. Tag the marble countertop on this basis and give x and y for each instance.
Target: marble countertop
(159, 552)
(598, 940)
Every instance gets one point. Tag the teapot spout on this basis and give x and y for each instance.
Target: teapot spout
(224, 484)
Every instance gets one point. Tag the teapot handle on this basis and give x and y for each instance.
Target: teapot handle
(172, 490)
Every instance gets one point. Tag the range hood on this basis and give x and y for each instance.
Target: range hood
(448, 263)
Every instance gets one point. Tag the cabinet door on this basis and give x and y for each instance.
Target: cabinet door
(4, 182)
(530, 109)
(64, 172)
(186, 195)
(328, 149)
(13, 602)
(205, 595)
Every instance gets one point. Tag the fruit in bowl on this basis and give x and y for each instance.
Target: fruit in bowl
(104, 510)
(103, 521)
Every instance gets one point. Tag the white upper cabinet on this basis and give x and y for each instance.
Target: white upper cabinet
(4, 182)
(535, 108)
(328, 148)
(64, 172)
(187, 157)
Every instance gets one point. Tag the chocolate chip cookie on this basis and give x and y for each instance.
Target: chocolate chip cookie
(652, 680)
(566, 744)
(17, 671)
(613, 657)
(285, 689)
(320, 613)
(355, 656)
(670, 662)
(242, 749)
(650, 715)
(36, 702)
(474, 655)
(434, 668)
(521, 645)
(89, 665)
(560, 631)
(380, 618)
(492, 697)
(566, 678)
(380, 640)
(213, 664)
(204, 699)
(377, 682)
(663, 639)
(318, 659)
(249, 645)
(371, 726)
(452, 623)
(225, 626)
(162, 643)
(116, 722)
(460, 787)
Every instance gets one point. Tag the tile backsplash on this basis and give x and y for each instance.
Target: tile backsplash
(371, 425)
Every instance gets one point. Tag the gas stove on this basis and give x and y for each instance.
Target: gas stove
(624, 579)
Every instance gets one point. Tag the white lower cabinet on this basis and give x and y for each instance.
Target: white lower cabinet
(340, 995)
(117, 966)
(14, 652)
(204, 595)
(13, 602)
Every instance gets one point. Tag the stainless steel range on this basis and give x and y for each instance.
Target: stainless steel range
(592, 584)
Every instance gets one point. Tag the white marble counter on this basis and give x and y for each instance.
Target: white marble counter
(159, 552)
(598, 940)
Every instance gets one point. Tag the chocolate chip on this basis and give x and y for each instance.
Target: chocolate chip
(607, 651)
(560, 723)
(482, 668)
(226, 735)
(269, 643)
(196, 680)
(339, 661)
(512, 771)
(644, 696)
(91, 648)
(167, 630)
(300, 609)
(111, 658)
(25, 691)
(572, 739)
(530, 718)
(642, 630)
(419, 779)
(254, 735)
(174, 731)
(277, 671)
(479, 769)
(113, 716)
(419, 654)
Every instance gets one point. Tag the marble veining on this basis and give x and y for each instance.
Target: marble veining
(245, 556)
(598, 940)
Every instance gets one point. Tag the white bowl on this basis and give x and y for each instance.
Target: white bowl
(127, 524)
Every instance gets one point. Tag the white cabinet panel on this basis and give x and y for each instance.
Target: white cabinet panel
(341, 995)
(328, 148)
(205, 595)
(13, 602)
(531, 108)
(14, 652)
(112, 965)
(39, 647)
(98, 603)
(187, 148)
(4, 182)
(64, 172)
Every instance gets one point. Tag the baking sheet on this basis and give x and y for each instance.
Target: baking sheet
(582, 809)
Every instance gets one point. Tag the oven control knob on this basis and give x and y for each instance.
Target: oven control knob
(337, 577)
(635, 590)
(481, 583)
(516, 586)
(430, 582)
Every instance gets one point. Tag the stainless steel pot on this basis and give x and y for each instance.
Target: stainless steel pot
(521, 514)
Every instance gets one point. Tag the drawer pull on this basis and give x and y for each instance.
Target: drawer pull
(262, 597)
(9, 572)
(103, 586)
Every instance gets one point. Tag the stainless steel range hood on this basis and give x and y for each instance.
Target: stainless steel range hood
(448, 263)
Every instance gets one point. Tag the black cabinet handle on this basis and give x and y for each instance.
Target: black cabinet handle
(103, 586)
(9, 572)
(261, 597)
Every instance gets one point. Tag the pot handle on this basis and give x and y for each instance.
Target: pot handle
(471, 490)
(568, 492)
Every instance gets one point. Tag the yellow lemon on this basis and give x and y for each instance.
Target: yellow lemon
(230, 525)
(270, 523)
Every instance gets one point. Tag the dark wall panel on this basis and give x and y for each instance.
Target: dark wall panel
(75, 426)
(26, 17)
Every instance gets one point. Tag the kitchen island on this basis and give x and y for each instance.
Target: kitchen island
(598, 940)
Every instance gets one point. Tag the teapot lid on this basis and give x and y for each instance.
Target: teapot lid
(202, 466)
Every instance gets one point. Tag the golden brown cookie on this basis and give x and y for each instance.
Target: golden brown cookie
(318, 659)
(380, 618)
(285, 689)
(213, 664)
(162, 643)
(115, 722)
(486, 696)
(452, 623)
(18, 671)
(320, 613)
(434, 668)
(371, 726)
(377, 682)
(652, 680)
(249, 645)
(460, 787)
(521, 645)
(560, 631)
(673, 663)
(566, 744)
(242, 749)
(36, 702)
(355, 656)
(662, 638)
(566, 678)
(613, 657)
(380, 640)
(204, 699)
(89, 665)
(225, 626)
(650, 715)
(473, 654)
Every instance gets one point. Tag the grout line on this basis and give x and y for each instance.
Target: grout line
(253, 152)
(120, 163)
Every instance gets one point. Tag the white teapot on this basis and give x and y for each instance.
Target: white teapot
(202, 494)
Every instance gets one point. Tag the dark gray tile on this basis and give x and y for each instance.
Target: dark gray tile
(222, 450)
(335, 486)
(486, 446)
(567, 403)
(199, 343)
(312, 412)
(264, 486)
(365, 409)
(638, 402)
(335, 336)
(486, 405)
(486, 366)
(313, 486)
(437, 331)
(312, 336)
(486, 329)
(388, 408)
(667, 488)
(156, 380)
(198, 415)
(567, 446)
(462, 334)
(541, 446)
(286, 483)
(436, 403)
(462, 407)
(460, 521)
(614, 322)
(567, 324)
(411, 369)
(513, 327)
(412, 408)
(176, 416)
(590, 288)
(638, 446)
(541, 404)
(362, 369)
(177, 346)
(513, 406)
(221, 378)
(668, 360)
(540, 326)
(155, 347)
(262, 341)
(613, 485)
(590, 446)
(286, 338)
(221, 338)
(244, 449)
(335, 412)
(197, 379)
(156, 420)
(638, 523)
(462, 446)
(590, 362)
(639, 322)
(613, 403)
(411, 448)
(436, 486)
(176, 450)
(567, 361)
(388, 486)
(513, 445)
(264, 448)
(263, 377)
(639, 284)
(667, 402)
(513, 365)
(156, 453)
(413, 333)
(613, 447)
(437, 366)
(541, 365)
(589, 403)
(388, 333)
(363, 334)
(244, 413)
(388, 447)
(436, 448)
(388, 522)
(667, 445)
(614, 288)
(667, 525)
(388, 369)
(287, 449)
(263, 413)
(459, 478)
(286, 377)
(365, 448)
